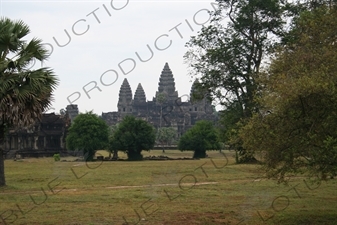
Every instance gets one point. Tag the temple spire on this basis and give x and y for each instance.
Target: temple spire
(194, 92)
(125, 97)
(139, 94)
(166, 84)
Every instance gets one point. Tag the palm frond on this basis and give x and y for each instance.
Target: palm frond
(24, 93)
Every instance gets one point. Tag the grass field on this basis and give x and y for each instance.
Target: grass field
(207, 191)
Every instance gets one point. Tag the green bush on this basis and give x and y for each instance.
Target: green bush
(56, 157)
(199, 138)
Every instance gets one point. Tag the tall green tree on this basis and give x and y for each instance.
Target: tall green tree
(165, 135)
(133, 136)
(228, 54)
(112, 148)
(201, 137)
(24, 92)
(161, 98)
(88, 133)
(296, 126)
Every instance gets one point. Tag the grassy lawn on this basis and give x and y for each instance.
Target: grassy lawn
(207, 191)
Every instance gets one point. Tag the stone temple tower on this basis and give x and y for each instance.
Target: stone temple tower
(166, 85)
(125, 98)
(201, 106)
(72, 111)
(139, 100)
(139, 95)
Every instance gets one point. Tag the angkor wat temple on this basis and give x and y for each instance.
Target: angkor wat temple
(47, 136)
(165, 110)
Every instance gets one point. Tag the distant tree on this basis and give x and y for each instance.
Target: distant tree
(88, 133)
(161, 98)
(201, 137)
(112, 148)
(132, 136)
(165, 135)
(296, 126)
(25, 93)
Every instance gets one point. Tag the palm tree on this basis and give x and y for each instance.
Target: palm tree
(24, 93)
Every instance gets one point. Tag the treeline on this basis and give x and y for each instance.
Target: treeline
(89, 133)
(271, 64)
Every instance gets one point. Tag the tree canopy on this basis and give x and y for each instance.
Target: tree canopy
(165, 135)
(25, 92)
(228, 53)
(227, 56)
(132, 136)
(88, 133)
(112, 146)
(296, 126)
(199, 138)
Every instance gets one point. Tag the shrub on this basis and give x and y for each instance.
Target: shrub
(56, 157)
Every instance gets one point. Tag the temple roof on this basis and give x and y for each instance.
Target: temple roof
(139, 94)
(51, 118)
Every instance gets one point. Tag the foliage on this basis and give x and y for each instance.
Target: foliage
(89, 133)
(228, 57)
(296, 127)
(228, 54)
(229, 119)
(161, 98)
(56, 157)
(314, 4)
(112, 146)
(132, 136)
(24, 92)
(201, 137)
(165, 135)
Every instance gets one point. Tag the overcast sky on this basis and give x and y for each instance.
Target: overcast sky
(104, 39)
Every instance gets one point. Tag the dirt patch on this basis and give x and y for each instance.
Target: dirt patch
(114, 187)
(194, 218)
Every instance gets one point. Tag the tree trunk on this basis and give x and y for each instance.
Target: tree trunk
(115, 154)
(199, 154)
(2, 158)
(134, 155)
(89, 155)
(2, 168)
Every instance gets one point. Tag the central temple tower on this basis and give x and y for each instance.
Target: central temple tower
(166, 86)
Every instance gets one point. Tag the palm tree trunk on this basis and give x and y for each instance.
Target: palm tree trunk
(2, 158)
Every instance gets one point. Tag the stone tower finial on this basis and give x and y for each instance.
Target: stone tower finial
(72, 111)
(194, 92)
(193, 87)
(199, 99)
(166, 84)
(139, 94)
(125, 98)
